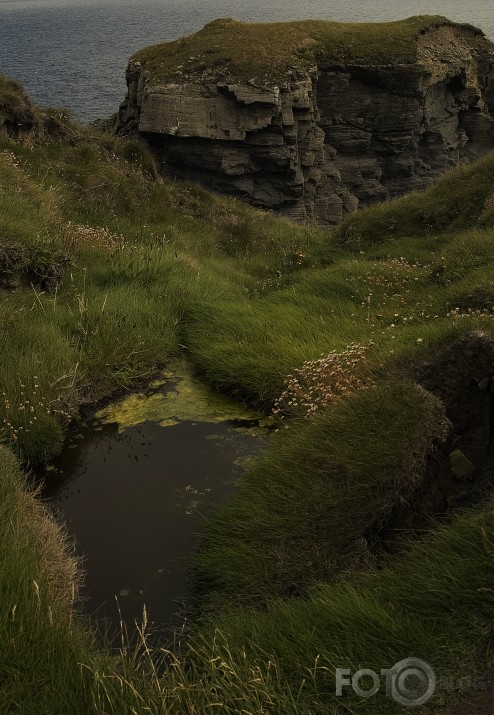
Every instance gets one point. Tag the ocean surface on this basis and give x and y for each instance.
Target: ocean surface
(73, 53)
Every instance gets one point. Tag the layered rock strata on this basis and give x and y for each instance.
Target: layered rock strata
(327, 137)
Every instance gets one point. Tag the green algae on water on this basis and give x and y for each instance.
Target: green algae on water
(176, 397)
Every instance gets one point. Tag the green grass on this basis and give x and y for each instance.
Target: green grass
(333, 466)
(41, 642)
(103, 248)
(461, 200)
(29, 250)
(266, 53)
(108, 273)
(434, 602)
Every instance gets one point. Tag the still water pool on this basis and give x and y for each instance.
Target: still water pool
(135, 485)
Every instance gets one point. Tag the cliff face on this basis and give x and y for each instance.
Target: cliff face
(333, 128)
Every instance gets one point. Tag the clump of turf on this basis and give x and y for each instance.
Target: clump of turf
(16, 109)
(312, 503)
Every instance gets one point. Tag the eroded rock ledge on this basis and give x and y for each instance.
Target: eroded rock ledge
(315, 119)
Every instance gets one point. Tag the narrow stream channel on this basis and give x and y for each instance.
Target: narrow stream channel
(134, 486)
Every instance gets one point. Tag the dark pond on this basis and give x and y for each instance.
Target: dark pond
(134, 487)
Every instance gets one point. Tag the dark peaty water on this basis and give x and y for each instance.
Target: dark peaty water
(135, 502)
(73, 53)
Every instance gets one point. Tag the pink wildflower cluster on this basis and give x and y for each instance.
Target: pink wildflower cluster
(320, 382)
(470, 313)
(96, 236)
(20, 414)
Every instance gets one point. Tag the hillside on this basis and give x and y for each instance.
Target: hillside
(363, 535)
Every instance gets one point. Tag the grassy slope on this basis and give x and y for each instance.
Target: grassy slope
(434, 602)
(259, 546)
(139, 256)
(41, 641)
(157, 268)
(226, 46)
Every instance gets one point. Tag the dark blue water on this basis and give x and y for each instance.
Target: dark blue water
(73, 53)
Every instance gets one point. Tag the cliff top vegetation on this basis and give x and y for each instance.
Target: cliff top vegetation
(264, 53)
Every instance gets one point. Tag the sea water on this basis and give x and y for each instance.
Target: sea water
(73, 53)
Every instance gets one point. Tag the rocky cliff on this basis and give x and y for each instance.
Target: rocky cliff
(315, 119)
